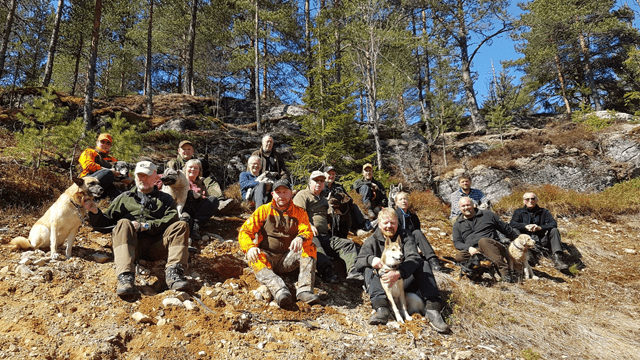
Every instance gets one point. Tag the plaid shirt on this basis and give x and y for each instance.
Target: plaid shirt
(476, 195)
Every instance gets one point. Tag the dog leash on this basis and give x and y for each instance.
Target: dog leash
(78, 210)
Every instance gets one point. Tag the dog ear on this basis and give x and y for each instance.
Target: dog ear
(387, 241)
(78, 181)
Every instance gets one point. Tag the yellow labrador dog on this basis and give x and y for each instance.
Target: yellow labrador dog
(391, 259)
(63, 219)
(518, 256)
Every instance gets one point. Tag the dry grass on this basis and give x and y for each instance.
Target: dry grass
(25, 191)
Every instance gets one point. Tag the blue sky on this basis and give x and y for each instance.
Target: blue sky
(503, 49)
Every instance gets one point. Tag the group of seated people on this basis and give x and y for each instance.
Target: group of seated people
(290, 230)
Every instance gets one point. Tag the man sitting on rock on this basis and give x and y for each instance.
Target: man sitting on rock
(277, 239)
(476, 231)
(373, 194)
(353, 219)
(98, 163)
(418, 278)
(254, 186)
(317, 208)
(538, 222)
(186, 152)
(146, 227)
(465, 190)
(270, 160)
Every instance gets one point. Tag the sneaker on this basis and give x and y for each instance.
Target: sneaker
(126, 288)
(381, 317)
(362, 233)
(558, 263)
(283, 298)
(175, 278)
(436, 320)
(308, 297)
(355, 276)
(435, 264)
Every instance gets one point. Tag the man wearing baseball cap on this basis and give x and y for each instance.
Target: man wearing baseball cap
(351, 218)
(317, 209)
(145, 226)
(98, 163)
(372, 191)
(277, 239)
(186, 152)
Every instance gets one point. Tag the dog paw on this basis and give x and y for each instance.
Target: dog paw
(56, 256)
(535, 278)
(408, 318)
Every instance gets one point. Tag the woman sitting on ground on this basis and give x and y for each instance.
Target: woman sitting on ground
(409, 221)
(202, 202)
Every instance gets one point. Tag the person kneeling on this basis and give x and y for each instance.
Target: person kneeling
(284, 243)
(417, 275)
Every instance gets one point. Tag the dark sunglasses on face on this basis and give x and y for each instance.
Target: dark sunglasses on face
(105, 142)
(530, 199)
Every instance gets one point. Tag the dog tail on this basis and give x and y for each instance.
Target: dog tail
(21, 243)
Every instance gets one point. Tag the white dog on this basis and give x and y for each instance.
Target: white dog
(391, 258)
(518, 250)
(63, 219)
(176, 184)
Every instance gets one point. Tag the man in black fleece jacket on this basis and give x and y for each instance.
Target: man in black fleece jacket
(416, 273)
(477, 232)
(538, 222)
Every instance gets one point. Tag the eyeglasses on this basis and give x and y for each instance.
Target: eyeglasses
(530, 199)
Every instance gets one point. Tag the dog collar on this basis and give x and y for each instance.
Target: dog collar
(78, 209)
(518, 247)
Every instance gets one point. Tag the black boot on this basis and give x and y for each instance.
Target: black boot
(558, 263)
(435, 264)
(175, 278)
(195, 227)
(381, 317)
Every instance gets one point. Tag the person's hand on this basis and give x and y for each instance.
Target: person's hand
(296, 244)
(253, 253)
(376, 263)
(391, 277)
(261, 177)
(533, 227)
(90, 206)
(136, 225)
(473, 251)
(314, 230)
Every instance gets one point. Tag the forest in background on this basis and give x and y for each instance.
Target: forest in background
(348, 61)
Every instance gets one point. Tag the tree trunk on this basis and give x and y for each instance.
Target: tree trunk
(91, 72)
(188, 77)
(469, 92)
(256, 80)
(586, 58)
(562, 85)
(7, 34)
(53, 44)
(401, 116)
(307, 42)
(265, 95)
(148, 85)
(76, 69)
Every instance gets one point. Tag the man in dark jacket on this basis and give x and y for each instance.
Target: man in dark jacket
(416, 273)
(476, 231)
(147, 227)
(352, 218)
(374, 196)
(270, 160)
(538, 222)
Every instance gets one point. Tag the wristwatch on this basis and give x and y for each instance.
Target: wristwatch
(146, 226)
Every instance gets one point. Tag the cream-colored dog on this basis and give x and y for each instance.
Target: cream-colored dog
(63, 219)
(391, 258)
(518, 250)
(176, 184)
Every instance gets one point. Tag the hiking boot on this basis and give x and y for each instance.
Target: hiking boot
(194, 234)
(328, 276)
(362, 233)
(558, 263)
(308, 297)
(126, 288)
(283, 298)
(175, 278)
(372, 215)
(436, 320)
(368, 226)
(353, 275)
(435, 264)
(381, 317)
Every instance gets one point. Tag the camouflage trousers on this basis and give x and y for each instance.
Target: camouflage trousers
(284, 263)
(127, 248)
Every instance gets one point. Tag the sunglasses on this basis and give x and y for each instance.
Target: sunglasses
(530, 199)
(105, 142)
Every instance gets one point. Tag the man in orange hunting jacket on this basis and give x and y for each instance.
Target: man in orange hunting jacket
(277, 238)
(99, 164)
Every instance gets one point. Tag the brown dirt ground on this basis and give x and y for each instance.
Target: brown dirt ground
(68, 309)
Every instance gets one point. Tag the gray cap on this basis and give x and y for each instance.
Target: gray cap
(281, 182)
(329, 168)
(146, 167)
(317, 174)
